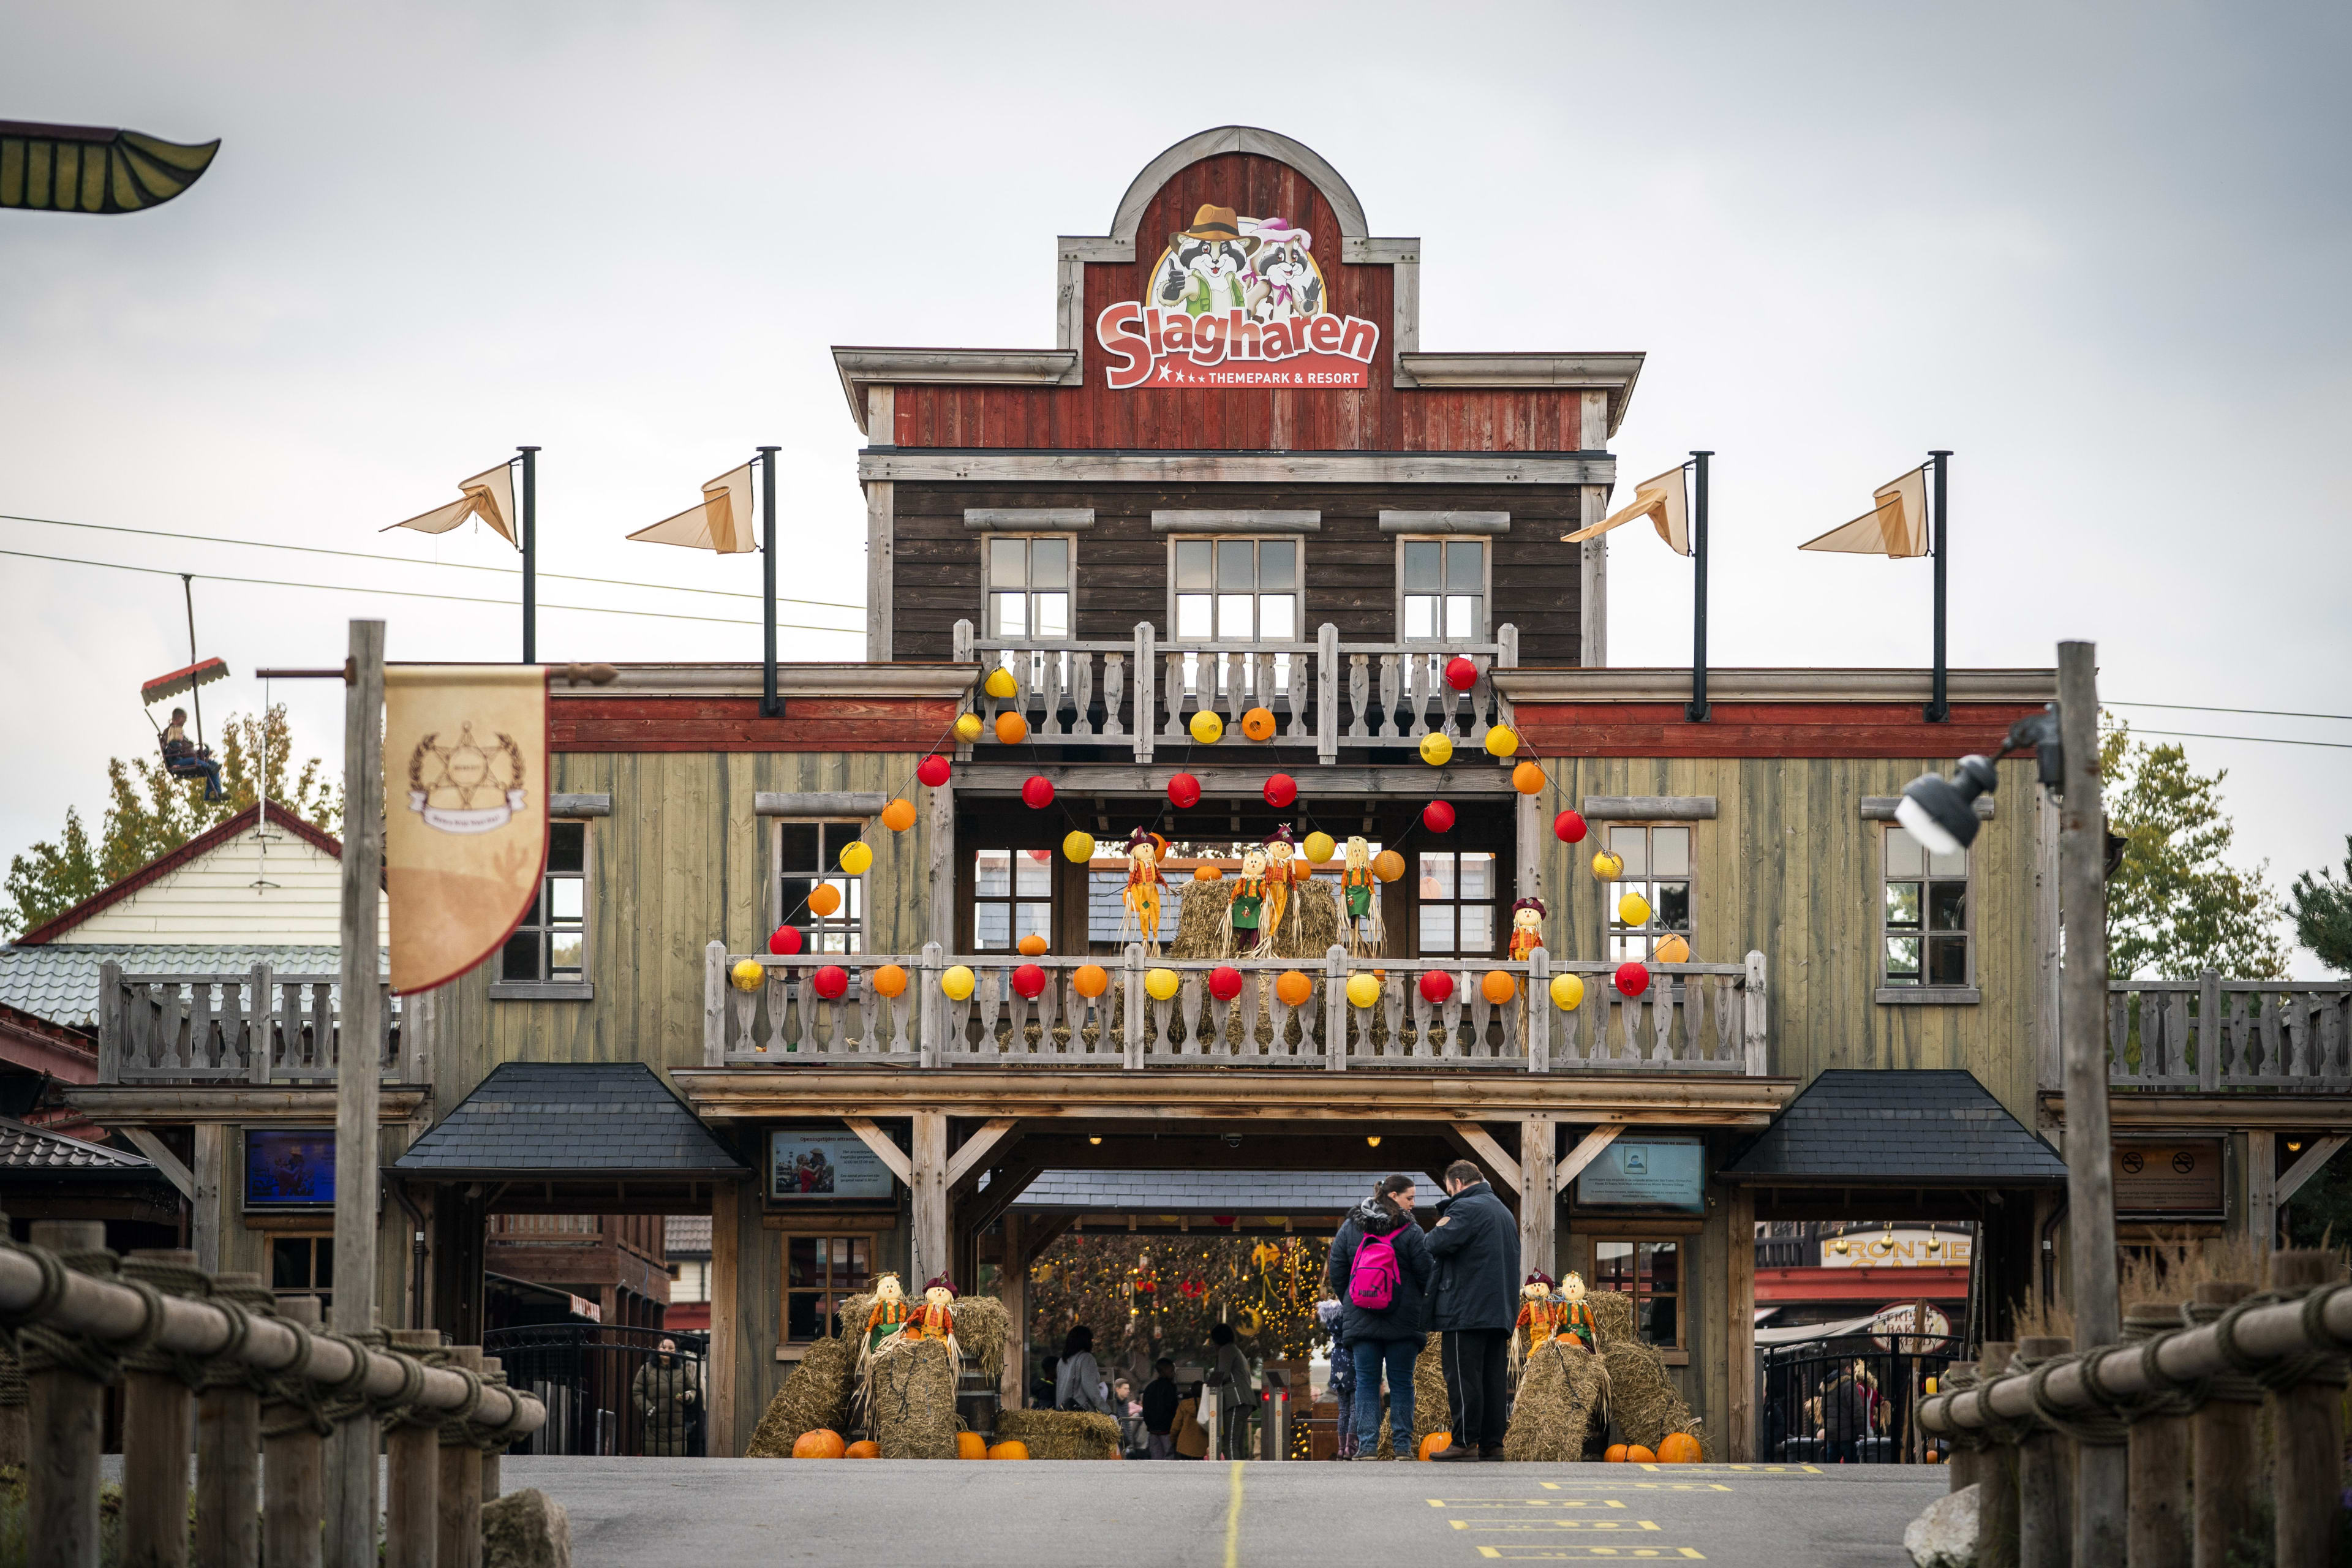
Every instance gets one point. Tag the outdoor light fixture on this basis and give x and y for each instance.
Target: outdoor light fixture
(1941, 813)
(1841, 1247)
(2294, 1148)
(1096, 1138)
(1233, 1140)
(1373, 1141)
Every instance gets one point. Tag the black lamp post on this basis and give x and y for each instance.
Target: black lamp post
(1696, 710)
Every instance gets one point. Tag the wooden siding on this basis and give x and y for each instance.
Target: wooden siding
(1855, 730)
(1379, 417)
(657, 724)
(1121, 563)
(213, 899)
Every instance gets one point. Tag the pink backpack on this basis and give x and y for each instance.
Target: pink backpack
(1372, 1280)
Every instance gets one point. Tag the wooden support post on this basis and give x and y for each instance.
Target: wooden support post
(1739, 1324)
(158, 1410)
(726, 1317)
(228, 1461)
(66, 1412)
(204, 1207)
(359, 1079)
(2045, 1530)
(1997, 1478)
(2308, 1421)
(1538, 1198)
(1012, 1290)
(928, 1243)
(940, 870)
(1501, 1168)
(413, 1475)
(492, 1479)
(294, 1475)
(2158, 1532)
(460, 1501)
(2225, 1484)
(2262, 1190)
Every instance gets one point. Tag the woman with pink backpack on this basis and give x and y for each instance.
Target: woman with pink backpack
(1381, 1268)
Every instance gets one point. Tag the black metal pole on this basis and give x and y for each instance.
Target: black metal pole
(197, 693)
(1696, 710)
(771, 706)
(1939, 710)
(530, 553)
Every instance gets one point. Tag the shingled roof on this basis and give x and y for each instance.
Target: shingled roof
(1914, 1127)
(599, 1119)
(1199, 1192)
(34, 1150)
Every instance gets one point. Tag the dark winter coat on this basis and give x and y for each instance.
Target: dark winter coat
(1160, 1401)
(1407, 1313)
(1476, 1249)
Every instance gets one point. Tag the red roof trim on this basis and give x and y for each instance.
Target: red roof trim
(33, 1043)
(164, 865)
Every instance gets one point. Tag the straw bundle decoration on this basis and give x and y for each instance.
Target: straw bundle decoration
(1563, 1391)
(815, 1396)
(981, 1327)
(1060, 1434)
(1643, 1401)
(1613, 1317)
(912, 1402)
(1201, 921)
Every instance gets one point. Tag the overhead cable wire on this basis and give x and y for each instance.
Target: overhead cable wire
(2196, 708)
(2258, 740)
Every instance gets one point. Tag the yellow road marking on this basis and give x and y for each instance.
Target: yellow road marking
(1233, 1521)
(1736, 1469)
(1525, 1502)
(1551, 1524)
(1640, 1486)
(1582, 1553)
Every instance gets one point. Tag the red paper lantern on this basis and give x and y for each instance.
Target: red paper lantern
(933, 770)
(786, 941)
(1037, 792)
(1437, 817)
(1183, 792)
(1029, 980)
(1631, 978)
(1437, 986)
(1224, 983)
(830, 981)
(1568, 827)
(1281, 789)
(1461, 673)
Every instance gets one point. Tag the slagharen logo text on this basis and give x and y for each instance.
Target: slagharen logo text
(1142, 337)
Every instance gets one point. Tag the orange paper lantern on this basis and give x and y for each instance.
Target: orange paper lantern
(1388, 864)
(824, 899)
(1528, 779)
(1294, 988)
(1090, 981)
(1498, 987)
(898, 815)
(1258, 724)
(821, 1444)
(1011, 728)
(889, 981)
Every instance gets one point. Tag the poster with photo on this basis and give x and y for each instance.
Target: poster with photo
(824, 1161)
(289, 1165)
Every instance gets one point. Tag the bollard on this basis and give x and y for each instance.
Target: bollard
(1963, 1461)
(2308, 1421)
(158, 1409)
(2044, 1478)
(411, 1522)
(65, 1412)
(294, 1474)
(2159, 1531)
(1997, 1478)
(2223, 1438)
(460, 1532)
(228, 1451)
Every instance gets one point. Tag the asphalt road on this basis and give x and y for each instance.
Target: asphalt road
(717, 1513)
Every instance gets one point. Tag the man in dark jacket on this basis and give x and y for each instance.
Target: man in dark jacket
(1390, 1335)
(1477, 1249)
(1160, 1399)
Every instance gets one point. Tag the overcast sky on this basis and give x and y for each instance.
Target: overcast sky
(2099, 251)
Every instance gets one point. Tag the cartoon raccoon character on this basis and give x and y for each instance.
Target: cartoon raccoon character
(1205, 263)
(1281, 282)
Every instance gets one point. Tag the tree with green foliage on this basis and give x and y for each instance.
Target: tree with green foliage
(2178, 904)
(150, 813)
(2322, 907)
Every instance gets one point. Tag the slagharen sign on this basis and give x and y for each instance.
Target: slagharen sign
(1162, 348)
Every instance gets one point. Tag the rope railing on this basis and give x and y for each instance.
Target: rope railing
(2180, 1392)
(258, 1377)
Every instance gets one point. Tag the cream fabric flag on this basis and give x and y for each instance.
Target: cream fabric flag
(490, 495)
(1662, 500)
(465, 818)
(1896, 526)
(722, 522)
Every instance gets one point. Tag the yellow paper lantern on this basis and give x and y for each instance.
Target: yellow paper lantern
(898, 815)
(958, 981)
(1437, 748)
(1160, 984)
(1293, 989)
(1258, 724)
(1497, 986)
(1011, 728)
(1362, 990)
(1567, 992)
(1674, 950)
(1634, 910)
(1527, 778)
(1502, 740)
(1207, 727)
(1078, 846)
(968, 727)
(889, 981)
(1319, 846)
(749, 974)
(1090, 980)
(856, 858)
(1606, 866)
(1000, 683)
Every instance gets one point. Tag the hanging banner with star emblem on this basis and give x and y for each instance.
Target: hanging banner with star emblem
(465, 797)
(1235, 301)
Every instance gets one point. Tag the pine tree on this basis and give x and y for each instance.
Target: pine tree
(2179, 904)
(2322, 907)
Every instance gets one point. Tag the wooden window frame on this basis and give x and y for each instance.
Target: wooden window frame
(1923, 994)
(775, 895)
(1495, 901)
(1611, 930)
(969, 899)
(269, 1261)
(1683, 1232)
(1257, 542)
(544, 988)
(1486, 629)
(868, 1231)
(988, 589)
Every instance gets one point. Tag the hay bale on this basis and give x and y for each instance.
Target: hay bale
(1200, 919)
(1060, 1434)
(911, 1402)
(981, 1327)
(1560, 1392)
(1311, 926)
(1613, 1317)
(1643, 1402)
(815, 1396)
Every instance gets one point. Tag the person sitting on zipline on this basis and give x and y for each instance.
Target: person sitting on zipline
(184, 759)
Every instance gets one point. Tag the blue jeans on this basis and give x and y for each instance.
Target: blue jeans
(1400, 1355)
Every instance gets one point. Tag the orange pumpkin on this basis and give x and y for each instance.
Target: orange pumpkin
(822, 1444)
(1204, 872)
(1032, 946)
(1436, 1443)
(1637, 1455)
(1012, 1448)
(971, 1446)
(1678, 1449)
(862, 1450)
(1616, 1453)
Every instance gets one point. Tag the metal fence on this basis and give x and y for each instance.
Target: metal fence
(608, 1390)
(1825, 1405)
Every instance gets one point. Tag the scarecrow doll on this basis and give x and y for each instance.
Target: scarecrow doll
(1144, 884)
(1279, 871)
(935, 1319)
(1359, 895)
(889, 1318)
(1526, 928)
(1247, 910)
(1576, 1313)
(1540, 1317)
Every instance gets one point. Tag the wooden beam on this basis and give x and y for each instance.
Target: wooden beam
(928, 1248)
(726, 1328)
(1739, 1324)
(147, 1143)
(1587, 1150)
(2322, 1151)
(983, 1209)
(1506, 1169)
(977, 1147)
(888, 1152)
(1539, 1201)
(989, 780)
(2192, 1114)
(1042, 469)
(132, 1105)
(1038, 1234)
(211, 1141)
(2261, 1189)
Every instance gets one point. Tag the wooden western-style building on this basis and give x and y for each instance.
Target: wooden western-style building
(1239, 481)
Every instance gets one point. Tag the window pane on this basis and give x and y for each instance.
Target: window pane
(520, 959)
(567, 846)
(1465, 565)
(1421, 615)
(1008, 615)
(1436, 930)
(1053, 613)
(1237, 566)
(800, 1317)
(1661, 1265)
(1436, 877)
(1613, 1264)
(1049, 564)
(1670, 851)
(1032, 919)
(1477, 928)
(1192, 557)
(1192, 618)
(1277, 564)
(1673, 906)
(796, 847)
(1423, 568)
(991, 873)
(563, 954)
(289, 1263)
(1633, 845)
(1956, 864)
(1477, 876)
(567, 898)
(1277, 617)
(991, 926)
(1234, 617)
(1947, 906)
(1007, 561)
(1947, 961)
(1461, 616)
(1904, 855)
(322, 1263)
(801, 1260)
(1902, 905)
(1033, 871)
(1902, 961)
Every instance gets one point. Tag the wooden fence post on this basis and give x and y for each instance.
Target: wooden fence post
(2044, 1477)
(2308, 1421)
(294, 1473)
(158, 1409)
(714, 1004)
(1133, 999)
(1997, 1478)
(1753, 1015)
(413, 1473)
(459, 1536)
(494, 1371)
(229, 1452)
(2223, 1436)
(2159, 1531)
(1963, 1464)
(1335, 1009)
(66, 1412)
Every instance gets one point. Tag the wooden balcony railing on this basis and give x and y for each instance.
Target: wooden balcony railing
(1326, 693)
(254, 1026)
(1695, 1017)
(2213, 1034)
